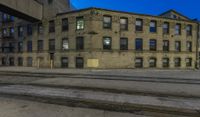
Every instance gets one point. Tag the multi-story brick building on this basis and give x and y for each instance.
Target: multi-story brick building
(100, 38)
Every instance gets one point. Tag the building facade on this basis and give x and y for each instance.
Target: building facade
(100, 38)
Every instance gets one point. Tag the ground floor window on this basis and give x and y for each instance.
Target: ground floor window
(152, 62)
(79, 62)
(20, 61)
(188, 62)
(29, 62)
(138, 62)
(177, 62)
(11, 61)
(3, 62)
(165, 62)
(64, 62)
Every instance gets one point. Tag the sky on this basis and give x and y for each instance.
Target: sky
(189, 8)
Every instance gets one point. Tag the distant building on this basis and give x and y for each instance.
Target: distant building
(101, 38)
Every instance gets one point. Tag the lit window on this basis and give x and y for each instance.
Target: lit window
(123, 23)
(80, 23)
(107, 43)
(65, 44)
(107, 22)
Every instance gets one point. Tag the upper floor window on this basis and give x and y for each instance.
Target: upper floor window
(51, 26)
(4, 32)
(29, 29)
(165, 45)
(189, 46)
(40, 28)
(52, 45)
(123, 23)
(64, 24)
(138, 44)
(40, 45)
(12, 31)
(107, 22)
(20, 31)
(166, 28)
(29, 46)
(65, 44)
(80, 23)
(139, 25)
(153, 26)
(178, 29)
(177, 62)
(189, 30)
(152, 44)
(20, 46)
(123, 44)
(107, 43)
(177, 46)
(79, 43)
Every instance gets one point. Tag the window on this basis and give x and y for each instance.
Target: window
(138, 62)
(153, 26)
(64, 24)
(177, 46)
(189, 30)
(165, 62)
(189, 46)
(79, 43)
(12, 31)
(188, 62)
(29, 29)
(79, 62)
(152, 45)
(29, 46)
(40, 45)
(107, 22)
(123, 23)
(65, 44)
(165, 45)
(166, 28)
(123, 44)
(177, 62)
(29, 61)
(40, 28)
(64, 62)
(20, 31)
(52, 45)
(178, 29)
(139, 25)
(50, 1)
(80, 23)
(3, 62)
(138, 44)
(107, 43)
(4, 32)
(51, 26)
(20, 61)
(20, 46)
(152, 62)
(12, 46)
(12, 61)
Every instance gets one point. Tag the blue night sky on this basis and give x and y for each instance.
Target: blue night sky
(190, 8)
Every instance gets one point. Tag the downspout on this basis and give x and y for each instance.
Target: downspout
(197, 45)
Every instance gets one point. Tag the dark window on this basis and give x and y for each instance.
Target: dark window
(29, 29)
(20, 61)
(52, 45)
(50, 1)
(189, 46)
(153, 45)
(40, 28)
(65, 44)
(177, 62)
(189, 30)
(107, 22)
(123, 23)
(40, 45)
(12, 46)
(29, 46)
(20, 31)
(139, 25)
(153, 26)
(138, 62)
(51, 26)
(80, 23)
(138, 44)
(165, 62)
(64, 24)
(166, 28)
(12, 31)
(3, 61)
(20, 46)
(165, 45)
(152, 62)
(12, 61)
(64, 62)
(177, 46)
(29, 62)
(123, 44)
(188, 62)
(79, 43)
(107, 43)
(178, 29)
(79, 62)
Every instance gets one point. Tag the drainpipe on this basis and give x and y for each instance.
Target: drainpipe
(197, 45)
